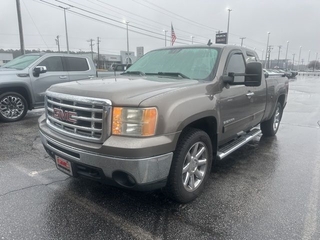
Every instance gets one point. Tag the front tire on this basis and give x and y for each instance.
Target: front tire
(191, 166)
(13, 107)
(270, 127)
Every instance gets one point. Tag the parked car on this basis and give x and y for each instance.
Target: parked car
(293, 73)
(164, 121)
(24, 80)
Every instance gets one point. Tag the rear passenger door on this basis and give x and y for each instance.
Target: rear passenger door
(78, 68)
(56, 73)
(235, 100)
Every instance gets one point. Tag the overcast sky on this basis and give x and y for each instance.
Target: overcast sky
(296, 21)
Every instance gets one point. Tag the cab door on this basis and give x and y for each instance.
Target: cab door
(236, 113)
(56, 73)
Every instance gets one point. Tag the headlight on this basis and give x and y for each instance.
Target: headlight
(134, 121)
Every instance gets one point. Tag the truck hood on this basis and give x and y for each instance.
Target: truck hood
(123, 91)
(9, 74)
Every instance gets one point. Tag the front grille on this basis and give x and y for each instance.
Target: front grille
(79, 117)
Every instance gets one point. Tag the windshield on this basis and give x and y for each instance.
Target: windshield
(21, 62)
(193, 63)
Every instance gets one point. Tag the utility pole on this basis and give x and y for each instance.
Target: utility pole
(242, 40)
(279, 54)
(309, 57)
(20, 28)
(127, 60)
(65, 25)
(58, 42)
(91, 45)
(98, 43)
(299, 58)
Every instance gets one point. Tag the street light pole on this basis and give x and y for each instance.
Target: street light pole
(279, 54)
(287, 55)
(58, 42)
(127, 60)
(242, 40)
(165, 37)
(293, 61)
(265, 64)
(299, 59)
(229, 10)
(309, 57)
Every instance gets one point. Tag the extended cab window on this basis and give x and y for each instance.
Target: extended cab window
(236, 64)
(53, 64)
(76, 64)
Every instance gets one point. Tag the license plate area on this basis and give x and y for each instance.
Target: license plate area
(64, 165)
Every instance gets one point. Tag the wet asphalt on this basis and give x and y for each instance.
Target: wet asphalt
(269, 189)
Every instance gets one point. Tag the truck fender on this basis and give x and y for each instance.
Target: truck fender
(19, 88)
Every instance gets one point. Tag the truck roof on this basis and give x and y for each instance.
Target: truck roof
(221, 46)
(54, 54)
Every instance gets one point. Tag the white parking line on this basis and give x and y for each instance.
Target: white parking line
(310, 223)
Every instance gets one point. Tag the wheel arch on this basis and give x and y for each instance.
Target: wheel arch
(207, 124)
(22, 91)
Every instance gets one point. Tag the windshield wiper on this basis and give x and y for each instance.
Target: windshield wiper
(173, 74)
(134, 73)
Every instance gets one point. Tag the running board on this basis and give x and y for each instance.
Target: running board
(236, 144)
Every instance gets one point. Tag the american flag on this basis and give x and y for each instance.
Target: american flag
(173, 35)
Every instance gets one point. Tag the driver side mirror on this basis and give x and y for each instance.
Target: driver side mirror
(253, 75)
(38, 70)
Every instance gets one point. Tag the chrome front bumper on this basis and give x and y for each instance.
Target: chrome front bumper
(144, 171)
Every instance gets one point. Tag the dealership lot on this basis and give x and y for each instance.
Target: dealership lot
(269, 189)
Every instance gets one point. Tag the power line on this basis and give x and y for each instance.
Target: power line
(132, 26)
(141, 33)
(25, 5)
(150, 20)
(174, 15)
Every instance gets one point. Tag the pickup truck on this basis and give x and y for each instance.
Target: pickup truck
(165, 120)
(24, 80)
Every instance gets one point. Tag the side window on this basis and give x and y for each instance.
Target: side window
(76, 64)
(236, 64)
(53, 64)
(251, 57)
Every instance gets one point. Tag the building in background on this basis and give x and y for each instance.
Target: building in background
(140, 52)
(107, 60)
(5, 57)
(127, 57)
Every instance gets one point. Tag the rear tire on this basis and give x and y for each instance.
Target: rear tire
(270, 127)
(13, 107)
(191, 166)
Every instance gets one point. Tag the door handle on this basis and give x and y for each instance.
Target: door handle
(91, 76)
(63, 77)
(250, 94)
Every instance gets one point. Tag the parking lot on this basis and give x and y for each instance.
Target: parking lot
(269, 189)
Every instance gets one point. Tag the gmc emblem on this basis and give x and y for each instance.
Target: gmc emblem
(64, 115)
